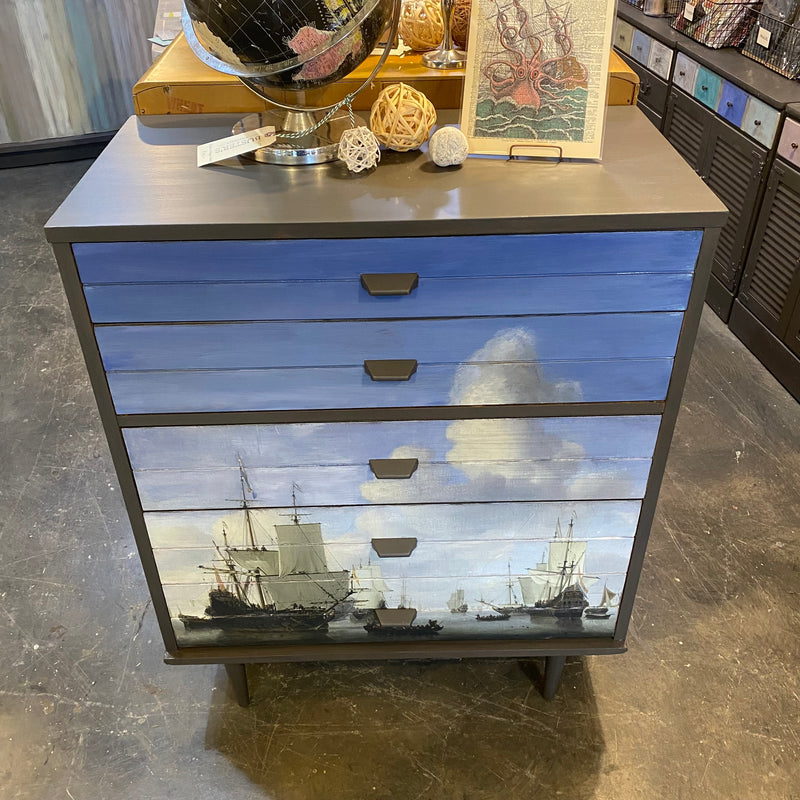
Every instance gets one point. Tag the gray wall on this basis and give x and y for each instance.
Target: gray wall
(67, 67)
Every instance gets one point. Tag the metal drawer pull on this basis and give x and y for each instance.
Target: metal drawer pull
(391, 369)
(394, 548)
(395, 616)
(729, 104)
(393, 468)
(704, 88)
(794, 145)
(756, 122)
(682, 73)
(379, 284)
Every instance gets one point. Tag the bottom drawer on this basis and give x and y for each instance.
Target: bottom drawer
(495, 570)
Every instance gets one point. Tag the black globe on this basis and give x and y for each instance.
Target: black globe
(287, 44)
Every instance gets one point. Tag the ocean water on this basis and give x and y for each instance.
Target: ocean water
(455, 626)
(563, 119)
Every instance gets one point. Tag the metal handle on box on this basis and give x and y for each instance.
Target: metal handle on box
(390, 369)
(393, 468)
(380, 284)
(394, 547)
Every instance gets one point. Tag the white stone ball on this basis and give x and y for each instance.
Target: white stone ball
(448, 147)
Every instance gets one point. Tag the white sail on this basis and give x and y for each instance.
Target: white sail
(263, 560)
(539, 585)
(316, 590)
(456, 601)
(608, 598)
(368, 586)
(301, 548)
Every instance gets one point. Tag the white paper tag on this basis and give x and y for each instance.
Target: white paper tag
(688, 11)
(234, 145)
(763, 37)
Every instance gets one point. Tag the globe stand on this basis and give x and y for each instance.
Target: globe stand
(447, 56)
(317, 147)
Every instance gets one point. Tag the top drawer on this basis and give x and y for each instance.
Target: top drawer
(322, 279)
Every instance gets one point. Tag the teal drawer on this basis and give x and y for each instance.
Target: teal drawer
(760, 121)
(197, 467)
(707, 87)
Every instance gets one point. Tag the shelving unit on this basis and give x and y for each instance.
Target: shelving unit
(723, 113)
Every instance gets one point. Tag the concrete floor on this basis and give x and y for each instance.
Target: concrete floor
(704, 705)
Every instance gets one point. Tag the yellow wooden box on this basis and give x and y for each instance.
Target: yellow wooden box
(179, 83)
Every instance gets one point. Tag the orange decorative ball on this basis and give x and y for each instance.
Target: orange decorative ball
(421, 26)
(402, 117)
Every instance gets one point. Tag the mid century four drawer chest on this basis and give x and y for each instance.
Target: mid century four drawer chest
(410, 414)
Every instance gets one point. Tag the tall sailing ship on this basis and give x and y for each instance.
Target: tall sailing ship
(368, 591)
(285, 585)
(558, 584)
(456, 602)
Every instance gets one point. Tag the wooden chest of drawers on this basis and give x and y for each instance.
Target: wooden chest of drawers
(416, 413)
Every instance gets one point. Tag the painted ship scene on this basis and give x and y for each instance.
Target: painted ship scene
(288, 581)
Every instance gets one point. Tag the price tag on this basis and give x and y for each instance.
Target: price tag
(234, 145)
(764, 37)
(688, 12)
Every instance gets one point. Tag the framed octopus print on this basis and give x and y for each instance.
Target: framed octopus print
(536, 77)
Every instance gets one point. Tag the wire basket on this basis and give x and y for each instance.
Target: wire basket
(774, 44)
(716, 24)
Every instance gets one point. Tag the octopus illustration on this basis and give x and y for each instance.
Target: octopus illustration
(523, 78)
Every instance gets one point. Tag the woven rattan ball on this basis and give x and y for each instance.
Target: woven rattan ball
(421, 24)
(459, 23)
(402, 117)
(359, 149)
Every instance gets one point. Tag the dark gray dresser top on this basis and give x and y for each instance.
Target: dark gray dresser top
(145, 185)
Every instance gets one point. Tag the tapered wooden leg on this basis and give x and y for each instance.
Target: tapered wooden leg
(553, 666)
(238, 679)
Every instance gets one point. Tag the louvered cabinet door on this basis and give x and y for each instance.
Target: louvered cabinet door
(772, 278)
(734, 169)
(687, 128)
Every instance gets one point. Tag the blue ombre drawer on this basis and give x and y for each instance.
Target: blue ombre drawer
(324, 279)
(410, 363)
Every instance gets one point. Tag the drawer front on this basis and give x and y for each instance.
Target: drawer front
(660, 59)
(640, 47)
(197, 467)
(147, 282)
(653, 92)
(318, 571)
(732, 103)
(685, 73)
(760, 121)
(707, 87)
(276, 366)
(789, 144)
(343, 259)
(623, 35)
(322, 300)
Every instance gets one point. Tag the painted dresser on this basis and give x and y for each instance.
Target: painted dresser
(418, 413)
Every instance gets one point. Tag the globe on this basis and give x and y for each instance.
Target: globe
(275, 46)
